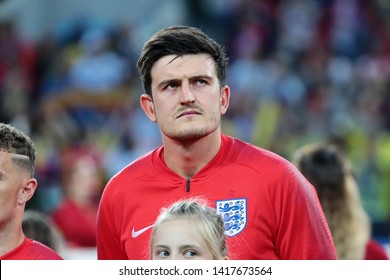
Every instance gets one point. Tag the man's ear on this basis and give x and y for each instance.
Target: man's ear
(27, 191)
(147, 105)
(225, 99)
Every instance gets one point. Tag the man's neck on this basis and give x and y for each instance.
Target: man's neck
(187, 160)
(10, 238)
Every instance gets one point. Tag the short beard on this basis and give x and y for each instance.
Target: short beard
(188, 137)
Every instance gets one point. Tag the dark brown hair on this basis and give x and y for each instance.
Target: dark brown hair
(14, 141)
(179, 40)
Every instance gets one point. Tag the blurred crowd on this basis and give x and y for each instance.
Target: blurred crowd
(301, 71)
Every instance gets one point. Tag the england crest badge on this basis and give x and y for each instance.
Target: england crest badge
(234, 215)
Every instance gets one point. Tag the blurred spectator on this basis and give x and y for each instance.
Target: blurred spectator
(82, 184)
(17, 76)
(95, 89)
(334, 179)
(38, 226)
(97, 70)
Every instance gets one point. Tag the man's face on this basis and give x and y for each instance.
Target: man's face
(187, 99)
(15, 190)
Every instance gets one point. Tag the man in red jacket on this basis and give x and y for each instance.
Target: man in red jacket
(270, 210)
(17, 186)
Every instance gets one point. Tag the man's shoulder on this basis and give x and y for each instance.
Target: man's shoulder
(137, 167)
(252, 153)
(31, 249)
(41, 251)
(134, 171)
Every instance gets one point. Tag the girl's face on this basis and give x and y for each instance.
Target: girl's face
(179, 239)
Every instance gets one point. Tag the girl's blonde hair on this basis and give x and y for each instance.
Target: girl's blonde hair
(209, 223)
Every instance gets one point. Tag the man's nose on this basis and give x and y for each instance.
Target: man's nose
(186, 93)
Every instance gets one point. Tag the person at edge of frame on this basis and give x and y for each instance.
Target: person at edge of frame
(17, 187)
(331, 173)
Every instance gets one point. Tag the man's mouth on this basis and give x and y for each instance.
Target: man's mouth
(187, 113)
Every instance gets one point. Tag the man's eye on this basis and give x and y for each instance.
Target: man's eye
(171, 86)
(163, 254)
(200, 82)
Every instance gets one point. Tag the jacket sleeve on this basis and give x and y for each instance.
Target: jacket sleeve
(108, 232)
(303, 230)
